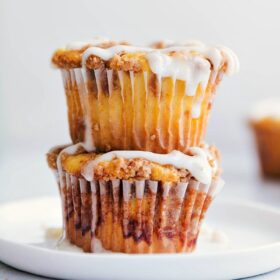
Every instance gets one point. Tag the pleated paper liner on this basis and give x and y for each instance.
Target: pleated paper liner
(135, 216)
(126, 110)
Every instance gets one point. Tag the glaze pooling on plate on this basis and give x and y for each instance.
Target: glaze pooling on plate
(208, 236)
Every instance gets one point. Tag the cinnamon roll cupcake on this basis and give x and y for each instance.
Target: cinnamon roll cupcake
(135, 201)
(122, 97)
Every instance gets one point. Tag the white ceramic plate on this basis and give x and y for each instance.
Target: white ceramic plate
(252, 246)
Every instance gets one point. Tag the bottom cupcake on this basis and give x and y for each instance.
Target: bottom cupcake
(135, 202)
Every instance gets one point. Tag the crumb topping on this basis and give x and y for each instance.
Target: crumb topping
(72, 58)
(126, 169)
(53, 154)
(121, 56)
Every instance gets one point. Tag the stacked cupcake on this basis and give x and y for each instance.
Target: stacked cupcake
(138, 177)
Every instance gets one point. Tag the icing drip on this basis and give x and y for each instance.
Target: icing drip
(232, 60)
(110, 84)
(97, 73)
(70, 150)
(194, 70)
(197, 164)
(146, 126)
(107, 54)
(131, 74)
(120, 75)
(214, 53)
(134, 111)
(146, 82)
(158, 131)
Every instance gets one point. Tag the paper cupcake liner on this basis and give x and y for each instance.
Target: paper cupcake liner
(113, 110)
(267, 140)
(135, 216)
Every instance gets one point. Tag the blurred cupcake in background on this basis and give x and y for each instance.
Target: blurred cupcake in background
(265, 122)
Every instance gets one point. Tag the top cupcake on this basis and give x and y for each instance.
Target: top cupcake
(122, 97)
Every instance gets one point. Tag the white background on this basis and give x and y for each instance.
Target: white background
(32, 104)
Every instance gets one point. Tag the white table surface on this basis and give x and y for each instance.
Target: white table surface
(241, 175)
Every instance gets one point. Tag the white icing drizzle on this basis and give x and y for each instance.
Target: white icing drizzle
(216, 54)
(110, 79)
(145, 74)
(197, 164)
(232, 60)
(181, 124)
(109, 53)
(97, 246)
(193, 70)
(134, 123)
(70, 150)
(52, 150)
(120, 75)
(98, 80)
(146, 128)
(158, 133)
(131, 75)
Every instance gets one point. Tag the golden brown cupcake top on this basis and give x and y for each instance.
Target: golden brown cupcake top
(118, 166)
(165, 60)
(71, 55)
(53, 154)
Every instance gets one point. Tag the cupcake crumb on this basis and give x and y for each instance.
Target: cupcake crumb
(219, 237)
(53, 233)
